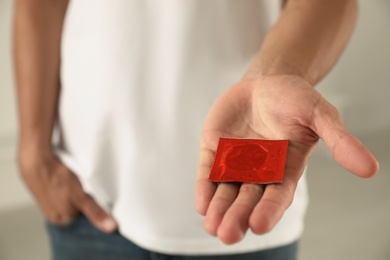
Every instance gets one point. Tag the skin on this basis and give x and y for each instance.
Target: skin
(37, 36)
(275, 99)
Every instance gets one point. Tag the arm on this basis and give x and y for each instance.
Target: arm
(37, 36)
(307, 40)
(276, 100)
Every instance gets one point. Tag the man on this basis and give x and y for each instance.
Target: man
(129, 84)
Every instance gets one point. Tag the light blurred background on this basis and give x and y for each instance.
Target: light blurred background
(348, 217)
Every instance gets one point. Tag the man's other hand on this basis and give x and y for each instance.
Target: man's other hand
(59, 192)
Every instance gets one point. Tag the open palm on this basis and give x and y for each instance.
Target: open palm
(277, 107)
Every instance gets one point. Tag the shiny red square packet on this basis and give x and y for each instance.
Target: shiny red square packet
(249, 160)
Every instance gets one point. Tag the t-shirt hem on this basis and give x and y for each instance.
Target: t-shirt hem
(212, 246)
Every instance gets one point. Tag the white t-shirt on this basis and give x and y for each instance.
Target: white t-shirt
(138, 77)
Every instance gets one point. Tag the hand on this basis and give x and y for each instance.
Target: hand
(275, 107)
(59, 192)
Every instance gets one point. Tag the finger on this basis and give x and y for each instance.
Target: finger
(235, 223)
(58, 207)
(347, 150)
(274, 202)
(220, 203)
(205, 189)
(98, 217)
(61, 215)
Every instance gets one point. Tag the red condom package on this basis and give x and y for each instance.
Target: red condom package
(249, 160)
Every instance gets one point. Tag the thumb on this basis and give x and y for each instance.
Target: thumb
(345, 148)
(98, 216)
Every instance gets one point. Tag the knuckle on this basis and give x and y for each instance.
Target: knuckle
(285, 195)
(251, 188)
(276, 203)
(81, 199)
(60, 218)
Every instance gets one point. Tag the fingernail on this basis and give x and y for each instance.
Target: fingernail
(109, 225)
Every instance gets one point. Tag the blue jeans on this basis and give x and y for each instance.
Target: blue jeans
(80, 240)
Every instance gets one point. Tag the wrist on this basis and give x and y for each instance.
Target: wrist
(35, 140)
(33, 152)
(260, 68)
(268, 80)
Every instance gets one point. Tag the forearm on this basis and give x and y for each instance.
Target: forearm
(37, 37)
(307, 40)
